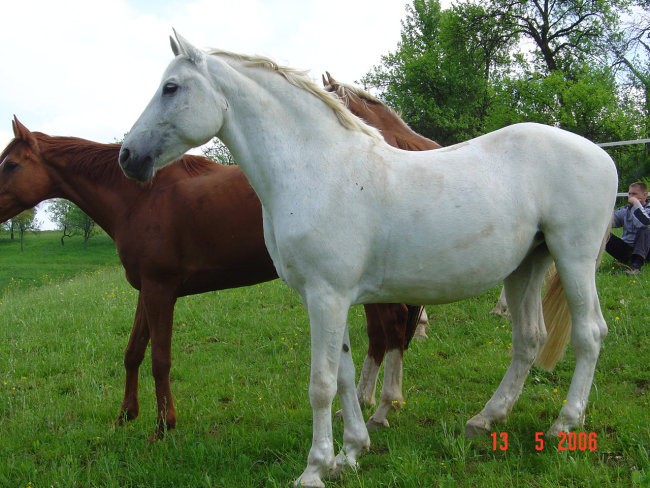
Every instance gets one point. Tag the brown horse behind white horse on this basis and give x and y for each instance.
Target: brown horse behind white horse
(167, 250)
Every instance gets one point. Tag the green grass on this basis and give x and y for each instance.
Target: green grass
(240, 373)
(44, 260)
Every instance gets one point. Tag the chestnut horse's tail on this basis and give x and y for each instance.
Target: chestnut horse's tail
(414, 313)
(557, 316)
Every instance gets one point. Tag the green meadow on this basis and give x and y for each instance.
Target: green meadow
(240, 374)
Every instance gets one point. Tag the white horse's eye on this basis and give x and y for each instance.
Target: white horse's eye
(170, 88)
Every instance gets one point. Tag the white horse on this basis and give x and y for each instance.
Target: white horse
(342, 231)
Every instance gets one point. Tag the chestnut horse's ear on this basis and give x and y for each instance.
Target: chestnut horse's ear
(21, 132)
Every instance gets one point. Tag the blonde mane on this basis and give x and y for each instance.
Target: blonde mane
(300, 79)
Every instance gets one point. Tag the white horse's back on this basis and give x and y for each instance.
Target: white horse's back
(480, 207)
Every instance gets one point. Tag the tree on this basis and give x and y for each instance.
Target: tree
(218, 152)
(439, 76)
(564, 32)
(71, 220)
(24, 222)
(631, 49)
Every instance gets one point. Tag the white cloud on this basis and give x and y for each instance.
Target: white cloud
(88, 68)
(75, 67)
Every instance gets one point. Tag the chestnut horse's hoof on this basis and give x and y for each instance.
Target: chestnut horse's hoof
(126, 415)
(161, 430)
(156, 435)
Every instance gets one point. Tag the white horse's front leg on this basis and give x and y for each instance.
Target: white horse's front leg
(355, 433)
(327, 316)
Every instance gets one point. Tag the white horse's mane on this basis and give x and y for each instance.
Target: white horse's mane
(300, 79)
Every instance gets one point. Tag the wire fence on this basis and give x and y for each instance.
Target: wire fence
(623, 143)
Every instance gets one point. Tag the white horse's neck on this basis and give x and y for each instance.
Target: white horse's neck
(279, 133)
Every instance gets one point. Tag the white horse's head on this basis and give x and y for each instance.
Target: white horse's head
(186, 111)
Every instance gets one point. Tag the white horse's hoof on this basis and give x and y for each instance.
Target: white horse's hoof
(568, 420)
(373, 425)
(560, 426)
(477, 426)
(343, 461)
(313, 482)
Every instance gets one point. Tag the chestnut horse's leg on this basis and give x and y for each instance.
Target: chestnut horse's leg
(159, 306)
(501, 307)
(376, 350)
(133, 356)
(422, 325)
(394, 321)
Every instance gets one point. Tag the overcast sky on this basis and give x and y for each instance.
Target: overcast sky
(87, 68)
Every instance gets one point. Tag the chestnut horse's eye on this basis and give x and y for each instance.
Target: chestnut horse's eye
(170, 88)
(10, 166)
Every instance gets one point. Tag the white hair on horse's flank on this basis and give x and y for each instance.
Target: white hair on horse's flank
(300, 79)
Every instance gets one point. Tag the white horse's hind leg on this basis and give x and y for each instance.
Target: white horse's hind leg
(523, 290)
(588, 330)
(391, 392)
(327, 317)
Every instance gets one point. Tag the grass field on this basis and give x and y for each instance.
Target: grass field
(45, 260)
(241, 366)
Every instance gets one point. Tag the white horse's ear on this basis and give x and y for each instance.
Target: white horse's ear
(194, 54)
(175, 47)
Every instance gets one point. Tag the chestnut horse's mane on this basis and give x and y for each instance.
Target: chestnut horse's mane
(344, 91)
(99, 161)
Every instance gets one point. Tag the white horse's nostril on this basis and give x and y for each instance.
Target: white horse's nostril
(125, 154)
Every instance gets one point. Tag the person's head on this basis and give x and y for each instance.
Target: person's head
(639, 190)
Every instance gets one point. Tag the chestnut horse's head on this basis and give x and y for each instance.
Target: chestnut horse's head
(24, 180)
(361, 103)
(379, 115)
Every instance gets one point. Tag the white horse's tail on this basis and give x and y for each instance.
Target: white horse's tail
(557, 317)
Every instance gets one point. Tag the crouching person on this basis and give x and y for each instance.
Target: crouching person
(633, 246)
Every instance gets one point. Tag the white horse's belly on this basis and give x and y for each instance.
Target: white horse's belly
(448, 262)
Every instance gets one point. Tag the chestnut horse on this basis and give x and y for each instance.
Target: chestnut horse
(158, 244)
